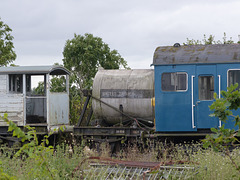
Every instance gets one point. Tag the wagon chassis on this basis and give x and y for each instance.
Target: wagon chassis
(118, 133)
(6, 136)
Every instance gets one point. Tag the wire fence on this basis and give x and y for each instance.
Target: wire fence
(110, 169)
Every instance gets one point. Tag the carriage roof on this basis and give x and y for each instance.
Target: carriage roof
(197, 54)
(53, 70)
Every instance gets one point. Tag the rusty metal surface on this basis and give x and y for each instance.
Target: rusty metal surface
(217, 53)
(107, 168)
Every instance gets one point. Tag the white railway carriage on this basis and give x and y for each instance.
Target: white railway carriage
(26, 104)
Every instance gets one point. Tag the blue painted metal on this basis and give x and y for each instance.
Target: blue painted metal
(173, 110)
(222, 70)
(202, 110)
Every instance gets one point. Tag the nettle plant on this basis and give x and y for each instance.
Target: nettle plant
(223, 139)
(36, 152)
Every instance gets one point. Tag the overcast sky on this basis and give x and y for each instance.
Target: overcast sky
(133, 27)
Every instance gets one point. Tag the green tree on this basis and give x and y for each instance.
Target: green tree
(57, 84)
(39, 90)
(84, 54)
(7, 54)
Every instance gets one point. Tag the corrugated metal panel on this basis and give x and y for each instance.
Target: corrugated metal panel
(218, 53)
(58, 109)
(54, 70)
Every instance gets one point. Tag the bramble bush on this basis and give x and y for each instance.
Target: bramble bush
(223, 139)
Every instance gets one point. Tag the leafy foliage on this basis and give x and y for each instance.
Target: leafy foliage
(57, 83)
(39, 90)
(7, 54)
(75, 104)
(84, 54)
(32, 149)
(223, 139)
(209, 40)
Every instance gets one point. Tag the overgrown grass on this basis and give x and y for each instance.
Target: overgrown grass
(216, 165)
(64, 160)
(61, 163)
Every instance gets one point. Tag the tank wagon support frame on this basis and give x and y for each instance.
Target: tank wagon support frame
(113, 134)
(107, 134)
(100, 134)
(88, 94)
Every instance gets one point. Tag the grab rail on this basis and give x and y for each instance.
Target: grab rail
(193, 125)
(219, 95)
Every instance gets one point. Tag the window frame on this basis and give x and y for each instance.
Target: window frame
(212, 91)
(178, 72)
(228, 76)
(29, 84)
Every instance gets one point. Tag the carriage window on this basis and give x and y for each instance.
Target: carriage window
(15, 83)
(35, 85)
(206, 87)
(233, 77)
(174, 81)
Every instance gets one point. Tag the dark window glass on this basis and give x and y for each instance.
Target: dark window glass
(181, 82)
(174, 81)
(205, 87)
(10, 83)
(28, 83)
(16, 83)
(233, 77)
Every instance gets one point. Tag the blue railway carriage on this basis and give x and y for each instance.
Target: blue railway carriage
(186, 78)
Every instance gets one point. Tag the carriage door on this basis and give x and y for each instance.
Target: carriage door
(206, 83)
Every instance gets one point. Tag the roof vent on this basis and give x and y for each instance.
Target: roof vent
(176, 45)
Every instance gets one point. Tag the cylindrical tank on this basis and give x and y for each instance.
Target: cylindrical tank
(129, 91)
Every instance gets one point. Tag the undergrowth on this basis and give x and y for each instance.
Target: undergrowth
(64, 159)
